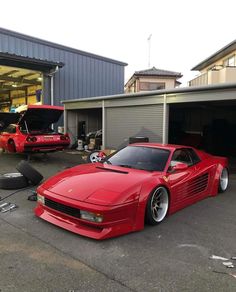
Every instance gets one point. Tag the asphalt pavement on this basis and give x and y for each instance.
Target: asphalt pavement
(173, 256)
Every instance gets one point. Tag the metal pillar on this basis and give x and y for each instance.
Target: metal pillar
(165, 125)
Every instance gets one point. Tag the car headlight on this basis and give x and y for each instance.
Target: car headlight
(40, 199)
(93, 217)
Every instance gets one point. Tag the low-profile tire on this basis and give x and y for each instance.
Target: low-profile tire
(224, 180)
(13, 181)
(157, 206)
(29, 172)
(95, 156)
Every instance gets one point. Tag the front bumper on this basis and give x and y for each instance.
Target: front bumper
(118, 220)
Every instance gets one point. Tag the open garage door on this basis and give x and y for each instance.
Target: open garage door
(19, 86)
(205, 125)
(83, 123)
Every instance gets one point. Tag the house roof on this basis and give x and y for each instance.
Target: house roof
(157, 72)
(216, 56)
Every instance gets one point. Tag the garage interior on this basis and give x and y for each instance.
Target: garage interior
(19, 86)
(26, 80)
(86, 122)
(205, 125)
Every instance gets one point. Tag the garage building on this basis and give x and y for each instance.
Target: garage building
(204, 117)
(34, 70)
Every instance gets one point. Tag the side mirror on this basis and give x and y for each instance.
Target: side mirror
(180, 166)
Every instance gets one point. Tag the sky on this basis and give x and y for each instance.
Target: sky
(183, 33)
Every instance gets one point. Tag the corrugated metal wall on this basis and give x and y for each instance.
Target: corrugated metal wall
(124, 122)
(84, 74)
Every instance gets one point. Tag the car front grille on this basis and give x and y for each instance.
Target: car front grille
(62, 208)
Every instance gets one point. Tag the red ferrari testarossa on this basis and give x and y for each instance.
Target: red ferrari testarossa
(140, 183)
(31, 130)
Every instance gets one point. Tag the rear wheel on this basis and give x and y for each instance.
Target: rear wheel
(11, 146)
(224, 180)
(157, 206)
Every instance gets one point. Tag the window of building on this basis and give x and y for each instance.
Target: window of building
(147, 86)
(230, 62)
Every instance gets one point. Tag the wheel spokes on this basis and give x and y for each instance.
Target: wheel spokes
(159, 204)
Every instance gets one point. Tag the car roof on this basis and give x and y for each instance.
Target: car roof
(170, 147)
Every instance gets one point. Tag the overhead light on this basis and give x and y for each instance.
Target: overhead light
(14, 85)
(40, 78)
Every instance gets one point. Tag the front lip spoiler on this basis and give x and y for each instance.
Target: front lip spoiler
(78, 227)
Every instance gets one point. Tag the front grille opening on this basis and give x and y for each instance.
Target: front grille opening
(62, 208)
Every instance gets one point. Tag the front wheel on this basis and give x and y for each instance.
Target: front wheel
(224, 180)
(157, 206)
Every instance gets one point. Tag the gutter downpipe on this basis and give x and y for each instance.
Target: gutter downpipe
(103, 124)
(51, 75)
(52, 89)
(65, 120)
(164, 124)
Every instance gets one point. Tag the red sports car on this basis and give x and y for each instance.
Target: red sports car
(31, 130)
(140, 183)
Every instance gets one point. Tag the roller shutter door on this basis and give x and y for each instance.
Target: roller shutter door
(124, 122)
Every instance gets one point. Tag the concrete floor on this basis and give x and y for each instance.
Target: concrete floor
(174, 256)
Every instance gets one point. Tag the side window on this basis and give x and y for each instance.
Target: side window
(181, 155)
(194, 156)
(10, 129)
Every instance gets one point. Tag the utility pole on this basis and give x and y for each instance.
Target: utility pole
(149, 50)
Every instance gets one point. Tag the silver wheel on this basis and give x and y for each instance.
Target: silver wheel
(158, 205)
(95, 156)
(224, 180)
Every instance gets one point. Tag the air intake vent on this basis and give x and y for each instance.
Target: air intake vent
(62, 208)
(198, 185)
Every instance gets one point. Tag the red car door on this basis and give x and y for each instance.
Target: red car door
(188, 185)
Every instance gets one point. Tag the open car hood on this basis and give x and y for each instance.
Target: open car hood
(39, 117)
(8, 118)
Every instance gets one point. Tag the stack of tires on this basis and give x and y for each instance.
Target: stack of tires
(26, 175)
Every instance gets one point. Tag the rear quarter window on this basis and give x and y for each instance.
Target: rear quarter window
(194, 156)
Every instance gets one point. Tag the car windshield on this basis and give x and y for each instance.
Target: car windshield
(140, 157)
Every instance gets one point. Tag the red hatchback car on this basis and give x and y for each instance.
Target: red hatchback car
(31, 130)
(140, 183)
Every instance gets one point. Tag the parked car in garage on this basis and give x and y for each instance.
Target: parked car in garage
(31, 131)
(140, 183)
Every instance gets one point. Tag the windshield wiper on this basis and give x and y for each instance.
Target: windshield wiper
(139, 168)
(125, 165)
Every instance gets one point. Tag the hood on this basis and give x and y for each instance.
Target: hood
(98, 184)
(40, 116)
(8, 118)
